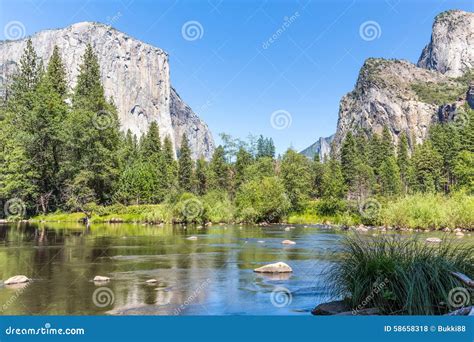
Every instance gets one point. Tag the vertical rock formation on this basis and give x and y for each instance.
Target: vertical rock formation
(135, 74)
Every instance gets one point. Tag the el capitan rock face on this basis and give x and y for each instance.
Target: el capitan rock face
(135, 74)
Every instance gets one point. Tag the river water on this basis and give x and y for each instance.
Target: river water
(212, 275)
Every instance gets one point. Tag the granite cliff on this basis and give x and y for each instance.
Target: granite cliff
(135, 74)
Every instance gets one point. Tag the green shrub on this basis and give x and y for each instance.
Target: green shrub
(262, 200)
(218, 207)
(331, 206)
(399, 275)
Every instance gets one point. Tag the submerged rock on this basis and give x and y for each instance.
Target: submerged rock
(288, 242)
(18, 279)
(192, 238)
(100, 279)
(278, 267)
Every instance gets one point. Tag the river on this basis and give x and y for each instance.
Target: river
(212, 275)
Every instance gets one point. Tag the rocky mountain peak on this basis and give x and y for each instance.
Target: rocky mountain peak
(450, 50)
(135, 74)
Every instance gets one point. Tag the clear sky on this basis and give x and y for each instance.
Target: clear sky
(230, 71)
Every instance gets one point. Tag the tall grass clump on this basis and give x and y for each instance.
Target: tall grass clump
(432, 211)
(401, 276)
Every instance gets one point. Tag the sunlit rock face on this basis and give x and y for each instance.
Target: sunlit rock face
(135, 74)
(451, 49)
(384, 94)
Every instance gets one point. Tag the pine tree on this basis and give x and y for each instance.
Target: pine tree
(390, 182)
(244, 160)
(170, 166)
(333, 180)
(403, 161)
(185, 166)
(317, 172)
(56, 73)
(150, 144)
(201, 177)
(93, 137)
(349, 159)
(219, 170)
(427, 164)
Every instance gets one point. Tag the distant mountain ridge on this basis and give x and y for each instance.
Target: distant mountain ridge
(321, 148)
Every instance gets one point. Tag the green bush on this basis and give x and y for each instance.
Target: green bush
(399, 275)
(262, 200)
(218, 207)
(331, 206)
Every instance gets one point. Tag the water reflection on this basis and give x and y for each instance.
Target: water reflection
(212, 275)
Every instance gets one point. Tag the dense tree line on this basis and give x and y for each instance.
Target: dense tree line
(62, 149)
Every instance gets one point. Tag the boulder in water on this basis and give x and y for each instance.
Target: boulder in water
(288, 242)
(100, 279)
(278, 267)
(433, 240)
(18, 279)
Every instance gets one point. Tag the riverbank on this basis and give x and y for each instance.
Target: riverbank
(414, 212)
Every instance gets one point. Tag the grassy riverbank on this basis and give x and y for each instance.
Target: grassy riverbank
(413, 212)
(401, 276)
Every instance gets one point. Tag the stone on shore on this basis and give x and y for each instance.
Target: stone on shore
(459, 234)
(100, 279)
(18, 279)
(288, 242)
(278, 267)
(331, 308)
(433, 240)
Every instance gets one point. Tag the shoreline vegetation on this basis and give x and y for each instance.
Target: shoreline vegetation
(424, 212)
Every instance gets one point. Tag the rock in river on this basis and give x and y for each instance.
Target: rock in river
(18, 279)
(278, 267)
(101, 279)
(288, 242)
(192, 238)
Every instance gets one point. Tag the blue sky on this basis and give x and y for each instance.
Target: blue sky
(233, 76)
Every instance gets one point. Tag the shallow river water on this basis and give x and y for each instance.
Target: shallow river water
(212, 275)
